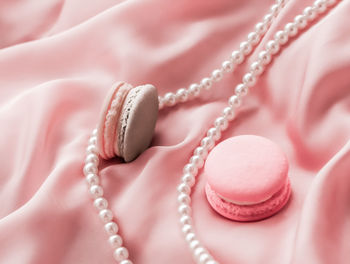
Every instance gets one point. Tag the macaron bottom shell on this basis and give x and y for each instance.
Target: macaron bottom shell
(246, 213)
(108, 121)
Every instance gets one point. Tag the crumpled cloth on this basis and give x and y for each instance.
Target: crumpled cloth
(59, 58)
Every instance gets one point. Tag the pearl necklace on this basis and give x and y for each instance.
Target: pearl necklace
(200, 254)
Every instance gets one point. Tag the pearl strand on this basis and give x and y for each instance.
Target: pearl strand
(200, 254)
(120, 253)
(237, 57)
(188, 180)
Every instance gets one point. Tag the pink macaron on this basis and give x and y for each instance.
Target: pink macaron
(247, 178)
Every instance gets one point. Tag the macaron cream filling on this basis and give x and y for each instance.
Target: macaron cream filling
(112, 117)
(243, 203)
(119, 144)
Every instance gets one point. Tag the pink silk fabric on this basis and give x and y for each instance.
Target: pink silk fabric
(59, 58)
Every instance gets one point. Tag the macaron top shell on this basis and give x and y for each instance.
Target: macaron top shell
(138, 120)
(246, 169)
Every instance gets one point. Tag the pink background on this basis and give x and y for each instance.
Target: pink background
(59, 58)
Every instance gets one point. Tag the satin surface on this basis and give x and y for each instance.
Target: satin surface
(59, 58)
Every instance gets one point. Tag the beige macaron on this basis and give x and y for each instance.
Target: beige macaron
(127, 121)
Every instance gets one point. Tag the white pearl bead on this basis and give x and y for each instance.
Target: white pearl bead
(182, 95)
(275, 9)
(127, 261)
(300, 21)
(206, 83)
(272, 46)
(94, 132)
(96, 191)
(202, 152)
(237, 57)
(90, 168)
(281, 37)
(92, 179)
(320, 6)
(241, 89)
(186, 229)
(93, 140)
(260, 28)
(184, 198)
(190, 169)
(100, 203)
(291, 29)
(264, 57)
(309, 13)
(194, 245)
(203, 258)
(111, 228)
(268, 19)
(160, 102)
(198, 251)
(245, 47)
(188, 179)
(216, 75)
(184, 209)
(207, 142)
(227, 66)
(249, 80)
(190, 237)
(186, 220)
(234, 101)
(91, 149)
(115, 241)
(214, 133)
(194, 90)
(221, 123)
(169, 99)
(257, 68)
(212, 262)
(197, 161)
(228, 113)
(92, 158)
(253, 38)
(184, 188)
(106, 215)
(121, 254)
